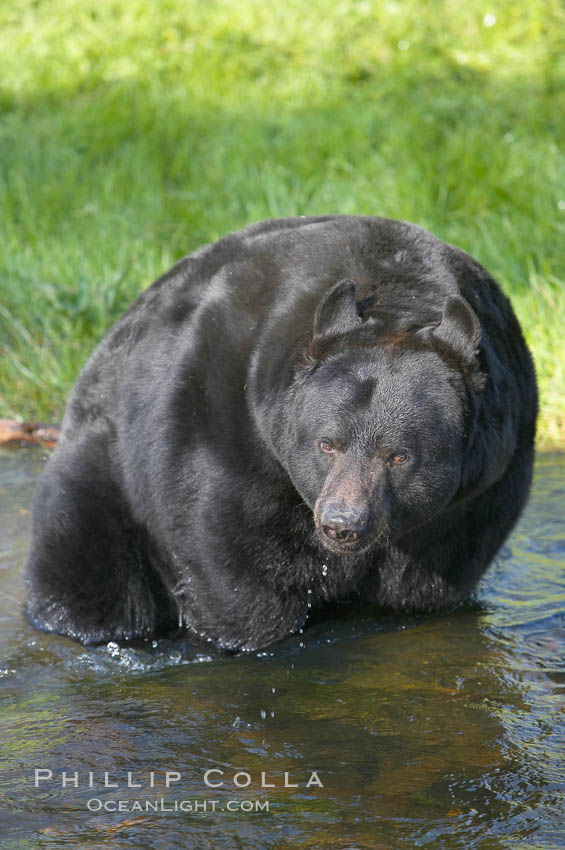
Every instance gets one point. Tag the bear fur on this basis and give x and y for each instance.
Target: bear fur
(309, 411)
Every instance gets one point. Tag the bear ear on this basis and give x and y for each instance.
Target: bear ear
(337, 312)
(459, 329)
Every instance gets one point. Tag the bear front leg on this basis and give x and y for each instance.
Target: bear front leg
(89, 575)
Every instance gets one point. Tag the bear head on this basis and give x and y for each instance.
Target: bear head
(375, 432)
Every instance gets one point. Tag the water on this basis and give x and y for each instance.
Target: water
(439, 732)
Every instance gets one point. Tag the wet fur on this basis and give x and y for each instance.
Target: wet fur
(183, 489)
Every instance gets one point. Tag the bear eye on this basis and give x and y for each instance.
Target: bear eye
(398, 458)
(327, 447)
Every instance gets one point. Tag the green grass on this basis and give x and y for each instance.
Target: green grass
(133, 131)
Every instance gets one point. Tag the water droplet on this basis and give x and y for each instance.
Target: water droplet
(403, 45)
(263, 714)
(273, 690)
(489, 20)
(561, 205)
(509, 138)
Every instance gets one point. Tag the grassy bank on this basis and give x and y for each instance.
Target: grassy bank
(133, 132)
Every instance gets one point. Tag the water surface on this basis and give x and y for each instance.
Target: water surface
(440, 732)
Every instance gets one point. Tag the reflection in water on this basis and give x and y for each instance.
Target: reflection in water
(443, 731)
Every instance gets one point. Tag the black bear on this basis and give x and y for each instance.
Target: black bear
(308, 411)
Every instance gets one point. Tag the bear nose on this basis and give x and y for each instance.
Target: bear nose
(340, 526)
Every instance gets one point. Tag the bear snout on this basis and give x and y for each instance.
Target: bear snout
(341, 526)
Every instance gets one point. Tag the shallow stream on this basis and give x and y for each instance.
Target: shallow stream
(441, 732)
